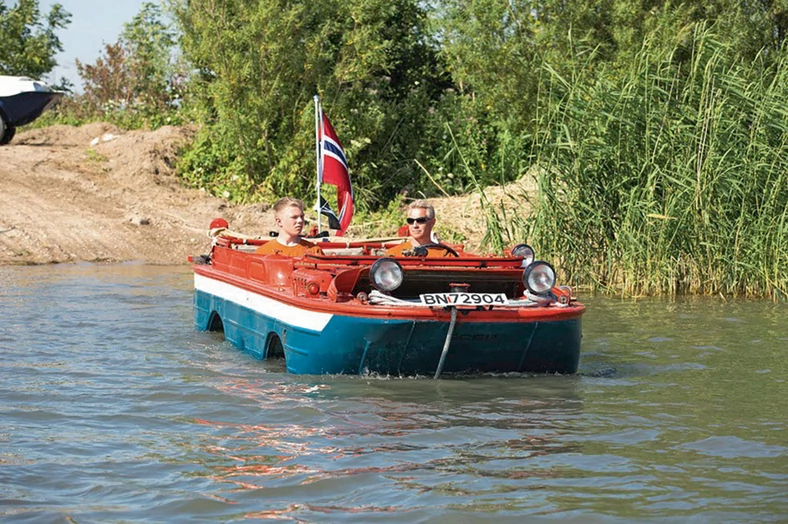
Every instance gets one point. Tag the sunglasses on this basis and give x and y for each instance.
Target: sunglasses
(420, 220)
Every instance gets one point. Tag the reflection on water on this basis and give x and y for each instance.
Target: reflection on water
(376, 429)
(115, 409)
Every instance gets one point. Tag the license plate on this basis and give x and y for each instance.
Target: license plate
(464, 299)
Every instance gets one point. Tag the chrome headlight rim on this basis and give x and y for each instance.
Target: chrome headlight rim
(386, 274)
(539, 277)
(525, 252)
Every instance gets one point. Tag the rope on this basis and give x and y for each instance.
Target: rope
(446, 343)
(224, 232)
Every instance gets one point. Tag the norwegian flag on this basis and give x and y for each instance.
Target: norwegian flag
(334, 171)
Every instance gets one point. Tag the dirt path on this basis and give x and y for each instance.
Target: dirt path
(64, 199)
(96, 193)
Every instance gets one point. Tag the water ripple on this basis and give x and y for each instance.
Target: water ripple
(114, 409)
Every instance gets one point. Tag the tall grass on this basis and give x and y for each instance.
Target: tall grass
(666, 176)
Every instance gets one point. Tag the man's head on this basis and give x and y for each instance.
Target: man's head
(421, 219)
(289, 216)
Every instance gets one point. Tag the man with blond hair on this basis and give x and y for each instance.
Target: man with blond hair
(289, 217)
(421, 220)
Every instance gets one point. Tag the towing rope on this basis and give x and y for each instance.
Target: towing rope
(446, 343)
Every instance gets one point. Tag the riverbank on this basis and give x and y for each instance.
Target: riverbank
(98, 194)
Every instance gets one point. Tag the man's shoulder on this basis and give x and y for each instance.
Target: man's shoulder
(274, 247)
(399, 248)
(266, 248)
(310, 247)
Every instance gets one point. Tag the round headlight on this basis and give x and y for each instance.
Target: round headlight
(386, 274)
(525, 251)
(539, 278)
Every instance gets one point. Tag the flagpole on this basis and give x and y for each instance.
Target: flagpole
(317, 158)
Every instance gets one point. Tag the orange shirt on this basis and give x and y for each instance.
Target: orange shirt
(273, 247)
(434, 252)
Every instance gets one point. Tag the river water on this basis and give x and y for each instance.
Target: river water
(114, 409)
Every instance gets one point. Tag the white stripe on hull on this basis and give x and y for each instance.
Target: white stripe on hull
(265, 306)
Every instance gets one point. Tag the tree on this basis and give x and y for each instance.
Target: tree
(372, 62)
(28, 40)
(135, 74)
(149, 44)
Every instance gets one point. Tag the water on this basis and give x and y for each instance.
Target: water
(113, 409)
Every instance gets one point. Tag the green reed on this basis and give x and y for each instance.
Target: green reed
(666, 175)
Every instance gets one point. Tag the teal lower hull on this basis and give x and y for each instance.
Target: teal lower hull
(357, 345)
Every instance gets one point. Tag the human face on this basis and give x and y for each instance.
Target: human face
(291, 221)
(420, 231)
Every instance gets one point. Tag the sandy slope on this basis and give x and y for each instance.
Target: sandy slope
(95, 193)
(63, 199)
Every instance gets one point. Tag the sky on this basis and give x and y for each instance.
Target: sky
(93, 24)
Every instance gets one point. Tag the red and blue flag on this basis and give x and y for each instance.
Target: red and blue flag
(334, 170)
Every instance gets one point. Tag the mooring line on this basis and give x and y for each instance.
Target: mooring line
(447, 343)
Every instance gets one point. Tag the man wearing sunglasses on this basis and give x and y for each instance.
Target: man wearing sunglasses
(421, 240)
